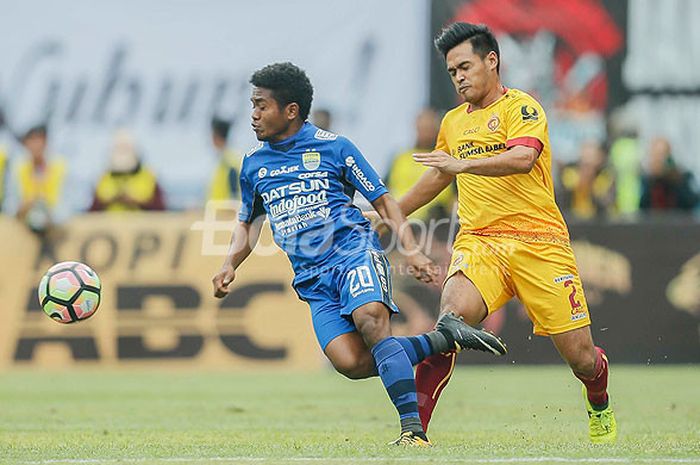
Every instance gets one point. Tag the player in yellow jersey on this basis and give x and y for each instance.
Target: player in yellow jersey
(512, 240)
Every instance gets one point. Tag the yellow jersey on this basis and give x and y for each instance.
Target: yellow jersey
(46, 185)
(519, 206)
(141, 186)
(224, 184)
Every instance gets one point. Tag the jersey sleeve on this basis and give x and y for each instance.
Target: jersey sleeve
(251, 202)
(441, 142)
(358, 173)
(527, 124)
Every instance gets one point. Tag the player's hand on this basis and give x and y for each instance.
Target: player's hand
(422, 268)
(222, 279)
(440, 160)
(376, 221)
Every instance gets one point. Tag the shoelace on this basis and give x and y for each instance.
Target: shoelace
(407, 438)
(603, 420)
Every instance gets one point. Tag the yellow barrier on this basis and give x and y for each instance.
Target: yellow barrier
(157, 306)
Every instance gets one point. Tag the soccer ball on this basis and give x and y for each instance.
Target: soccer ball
(70, 292)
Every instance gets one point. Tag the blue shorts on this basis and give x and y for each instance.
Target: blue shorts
(335, 293)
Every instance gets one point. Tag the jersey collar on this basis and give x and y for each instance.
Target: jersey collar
(285, 145)
(504, 91)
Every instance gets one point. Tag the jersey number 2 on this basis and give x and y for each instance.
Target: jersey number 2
(575, 304)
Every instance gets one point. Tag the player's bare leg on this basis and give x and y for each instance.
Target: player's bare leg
(372, 322)
(461, 297)
(590, 364)
(577, 349)
(351, 357)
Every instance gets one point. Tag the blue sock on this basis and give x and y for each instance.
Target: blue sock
(396, 371)
(418, 348)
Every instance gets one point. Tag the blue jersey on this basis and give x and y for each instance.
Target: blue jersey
(306, 184)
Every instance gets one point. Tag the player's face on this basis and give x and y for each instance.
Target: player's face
(35, 144)
(269, 121)
(471, 75)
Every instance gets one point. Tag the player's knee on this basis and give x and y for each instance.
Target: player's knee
(583, 364)
(355, 367)
(355, 373)
(473, 313)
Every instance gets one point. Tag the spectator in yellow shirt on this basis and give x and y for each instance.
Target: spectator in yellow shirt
(224, 184)
(128, 185)
(588, 186)
(404, 172)
(35, 194)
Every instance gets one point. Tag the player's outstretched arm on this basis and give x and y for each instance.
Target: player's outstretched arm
(429, 185)
(244, 238)
(421, 266)
(516, 160)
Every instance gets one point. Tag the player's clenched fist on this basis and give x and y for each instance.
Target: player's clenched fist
(222, 279)
(422, 268)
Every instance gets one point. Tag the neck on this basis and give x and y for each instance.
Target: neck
(39, 162)
(293, 128)
(493, 94)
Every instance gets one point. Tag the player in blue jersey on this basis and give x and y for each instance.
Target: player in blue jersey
(304, 179)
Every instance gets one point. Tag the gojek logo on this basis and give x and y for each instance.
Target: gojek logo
(284, 170)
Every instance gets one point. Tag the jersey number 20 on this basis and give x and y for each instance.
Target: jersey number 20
(360, 277)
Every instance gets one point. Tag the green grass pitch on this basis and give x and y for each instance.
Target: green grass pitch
(503, 414)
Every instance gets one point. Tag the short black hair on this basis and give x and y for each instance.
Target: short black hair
(288, 83)
(482, 40)
(220, 127)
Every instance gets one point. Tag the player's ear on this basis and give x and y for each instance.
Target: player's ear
(292, 110)
(492, 60)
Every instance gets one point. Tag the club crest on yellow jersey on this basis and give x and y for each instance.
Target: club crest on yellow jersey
(493, 123)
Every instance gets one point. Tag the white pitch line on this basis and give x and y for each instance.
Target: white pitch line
(368, 459)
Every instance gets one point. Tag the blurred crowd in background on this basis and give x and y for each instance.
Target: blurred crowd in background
(620, 178)
(118, 121)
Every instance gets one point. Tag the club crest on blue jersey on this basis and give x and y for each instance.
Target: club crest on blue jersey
(311, 160)
(309, 203)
